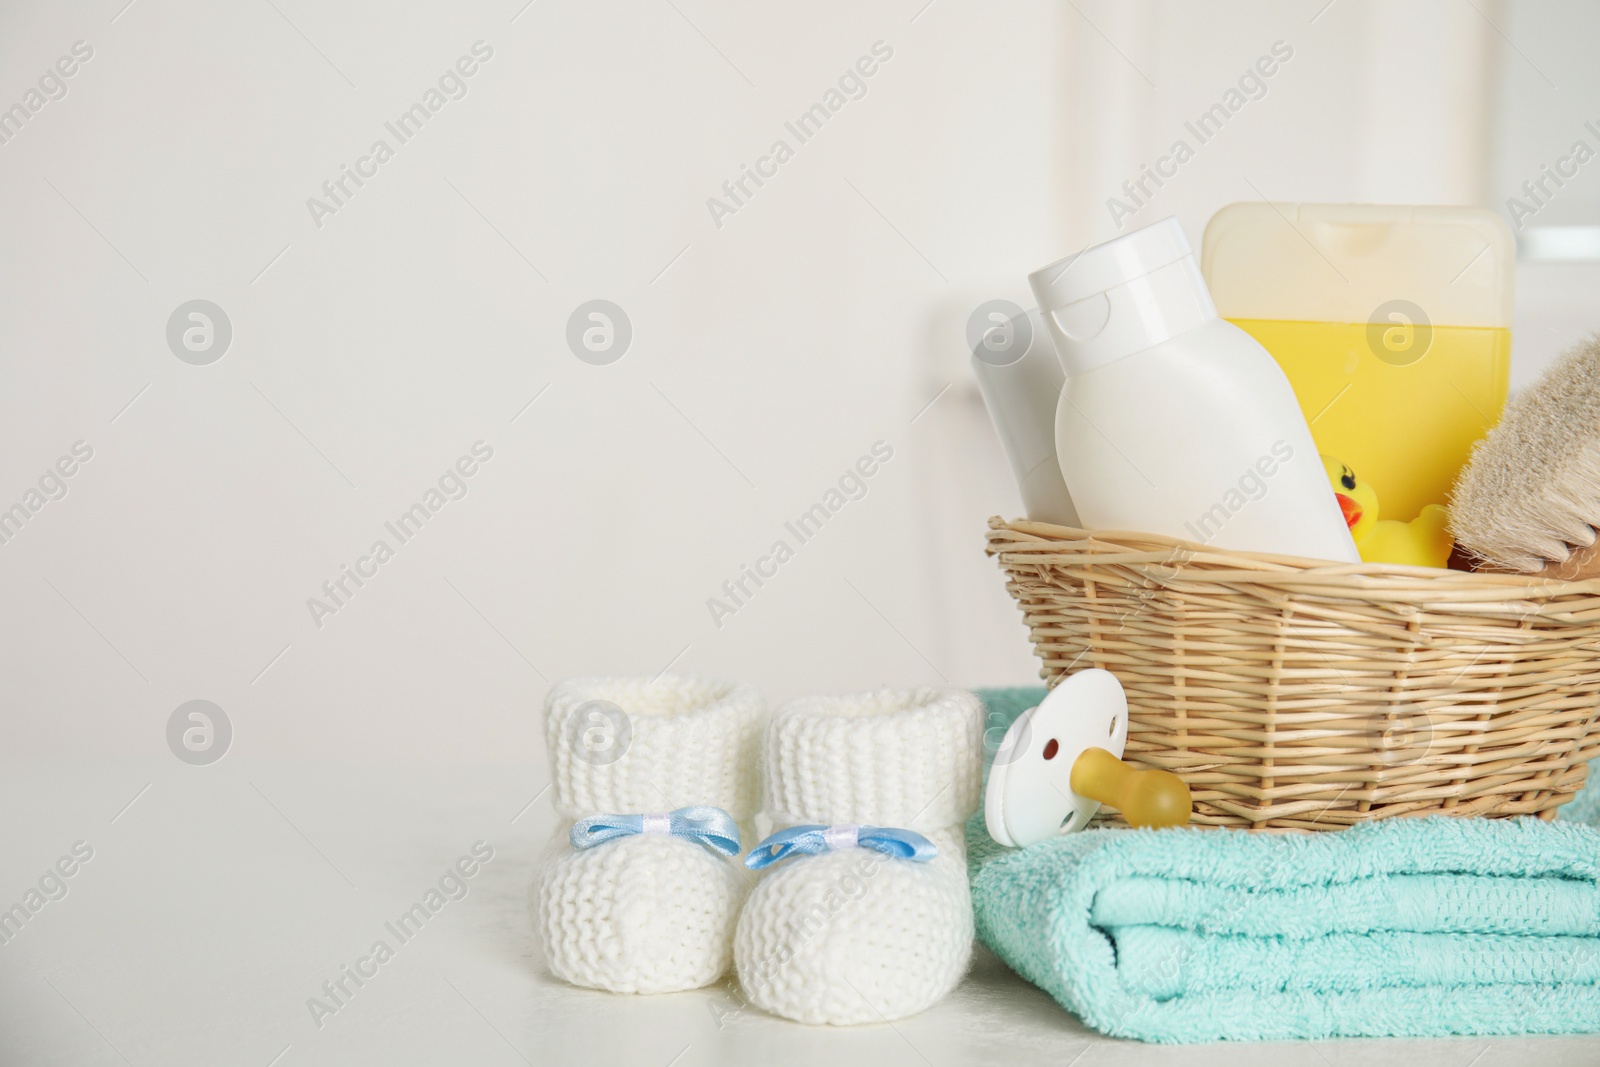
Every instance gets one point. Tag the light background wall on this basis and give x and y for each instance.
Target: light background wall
(768, 353)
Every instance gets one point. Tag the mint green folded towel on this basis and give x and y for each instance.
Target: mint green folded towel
(1408, 927)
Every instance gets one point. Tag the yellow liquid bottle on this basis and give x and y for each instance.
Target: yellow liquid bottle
(1392, 322)
(1406, 419)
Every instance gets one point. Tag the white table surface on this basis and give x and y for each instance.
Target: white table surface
(220, 900)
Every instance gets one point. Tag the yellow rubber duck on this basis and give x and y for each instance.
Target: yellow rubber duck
(1422, 542)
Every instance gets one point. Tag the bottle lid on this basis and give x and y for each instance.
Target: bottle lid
(1122, 296)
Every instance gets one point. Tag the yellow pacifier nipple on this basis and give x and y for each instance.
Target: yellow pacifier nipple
(1144, 797)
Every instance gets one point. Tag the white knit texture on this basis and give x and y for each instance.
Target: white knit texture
(893, 757)
(855, 936)
(648, 913)
(644, 914)
(685, 740)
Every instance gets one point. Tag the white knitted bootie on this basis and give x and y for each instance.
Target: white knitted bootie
(647, 911)
(853, 935)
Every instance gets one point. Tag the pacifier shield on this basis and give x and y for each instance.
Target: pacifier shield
(1029, 797)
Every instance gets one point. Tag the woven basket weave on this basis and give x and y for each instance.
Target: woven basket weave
(1299, 694)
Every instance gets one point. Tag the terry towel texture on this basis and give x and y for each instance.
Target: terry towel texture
(1408, 927)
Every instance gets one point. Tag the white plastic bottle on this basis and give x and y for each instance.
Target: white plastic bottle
(1172, 420)
(1020, 376)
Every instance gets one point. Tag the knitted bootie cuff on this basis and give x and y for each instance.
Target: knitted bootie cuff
(631, 745)
(892, 757)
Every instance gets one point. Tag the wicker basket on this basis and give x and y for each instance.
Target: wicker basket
(1294, 693)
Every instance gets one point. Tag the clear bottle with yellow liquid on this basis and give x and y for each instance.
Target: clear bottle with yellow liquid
(1393, 324)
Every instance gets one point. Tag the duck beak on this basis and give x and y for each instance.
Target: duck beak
(1352, 510)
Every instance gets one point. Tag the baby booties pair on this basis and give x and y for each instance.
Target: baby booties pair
(853, 908)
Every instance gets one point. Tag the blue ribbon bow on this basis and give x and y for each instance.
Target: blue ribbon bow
(812, 839)
(709, 826)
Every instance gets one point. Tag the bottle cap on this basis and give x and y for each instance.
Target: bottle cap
(1122, 296)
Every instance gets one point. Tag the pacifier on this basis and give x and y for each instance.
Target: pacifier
(1061, 760)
